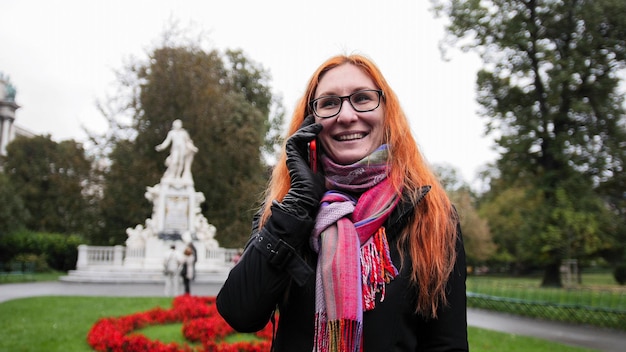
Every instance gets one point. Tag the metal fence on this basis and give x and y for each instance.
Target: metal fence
(571, 313)
(598, 307)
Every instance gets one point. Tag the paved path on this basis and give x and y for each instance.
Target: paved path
(567, 334)
(573, 335)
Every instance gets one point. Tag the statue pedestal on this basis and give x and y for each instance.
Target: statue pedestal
(176, 219)
(175, 202)
(155, 250)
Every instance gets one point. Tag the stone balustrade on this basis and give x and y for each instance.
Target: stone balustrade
(115, 256)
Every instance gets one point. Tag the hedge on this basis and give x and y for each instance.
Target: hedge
(58, 251)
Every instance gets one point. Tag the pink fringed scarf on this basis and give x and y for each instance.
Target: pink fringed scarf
(354, 262)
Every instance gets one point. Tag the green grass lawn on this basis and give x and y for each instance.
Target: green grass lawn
(596, 290)
(61, 324)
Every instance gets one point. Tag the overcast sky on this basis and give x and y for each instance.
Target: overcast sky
(61, 56)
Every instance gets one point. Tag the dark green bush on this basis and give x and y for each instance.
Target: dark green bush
(620, 274)
(41, 265)
(59, 252)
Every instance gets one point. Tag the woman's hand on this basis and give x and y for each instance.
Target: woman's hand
(307, 187)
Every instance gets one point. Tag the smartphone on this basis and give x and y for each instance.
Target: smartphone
(313, 155)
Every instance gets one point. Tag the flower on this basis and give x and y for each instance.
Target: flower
(201, 323)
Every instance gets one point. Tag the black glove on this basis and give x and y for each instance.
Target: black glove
(307, 187)
(293, 219)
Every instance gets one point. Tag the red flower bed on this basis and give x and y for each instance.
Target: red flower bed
(201, 323)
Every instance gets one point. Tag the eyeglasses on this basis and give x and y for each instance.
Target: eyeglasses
(361, 101)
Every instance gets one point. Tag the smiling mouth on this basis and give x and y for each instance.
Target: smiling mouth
(351, 136)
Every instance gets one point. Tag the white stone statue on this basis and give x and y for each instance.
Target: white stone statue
(182, 152)
(136, 237)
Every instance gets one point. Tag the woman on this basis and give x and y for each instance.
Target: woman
(366, 253)
(171, 270)
(188, 269)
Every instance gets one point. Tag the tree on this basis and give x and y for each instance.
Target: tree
(52, 180)
(509, 211)
(13, 214)
(224, 102)
(479, 245)
(477, 237)
(123, 203)
(550, 91)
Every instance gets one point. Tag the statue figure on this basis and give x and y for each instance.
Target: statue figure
(136, 237)
(7, 90)
(181, 153)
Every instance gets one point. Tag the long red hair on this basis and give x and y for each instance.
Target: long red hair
(431, 235)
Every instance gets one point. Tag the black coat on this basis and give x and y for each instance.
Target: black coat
(256, 286)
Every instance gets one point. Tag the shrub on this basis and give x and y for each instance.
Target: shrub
(41, 265)
(620, 274)
(60, 252)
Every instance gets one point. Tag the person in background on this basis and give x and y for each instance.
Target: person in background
(195, 253)
(171, 269)
(356, 247)
(188, 271)
(237, 256)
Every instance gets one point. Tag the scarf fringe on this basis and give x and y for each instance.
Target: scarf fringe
(377, 269)
(342, 335)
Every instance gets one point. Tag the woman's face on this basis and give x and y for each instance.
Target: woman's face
(350, 136)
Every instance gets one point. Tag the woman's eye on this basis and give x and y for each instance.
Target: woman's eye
(327, 103)
(361, 98)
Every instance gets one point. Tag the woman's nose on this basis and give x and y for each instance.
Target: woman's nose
(347, 113)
